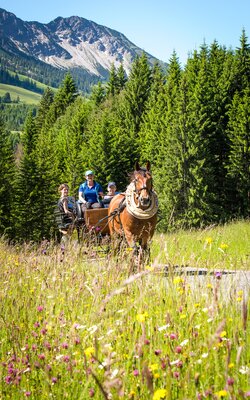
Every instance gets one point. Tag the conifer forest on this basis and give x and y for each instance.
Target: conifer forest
(192, 123)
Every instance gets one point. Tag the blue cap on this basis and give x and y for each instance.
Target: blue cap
(89, 172)
(111, 184)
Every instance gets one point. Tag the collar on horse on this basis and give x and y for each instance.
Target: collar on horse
(133, 208)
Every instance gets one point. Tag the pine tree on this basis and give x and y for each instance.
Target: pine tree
(7, 171)
(27, 192)
(239, 156)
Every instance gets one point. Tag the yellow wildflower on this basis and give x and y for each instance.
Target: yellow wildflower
(153, 367)
(142, 317)
(223, 334)
(231, 365)
(89, 351)
(223, 246)
(160, 394)
(178, 280)
(208, 240)
(221, 393)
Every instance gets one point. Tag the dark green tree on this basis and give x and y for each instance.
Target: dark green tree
(27, 188)
(239, 155)
(7, 171)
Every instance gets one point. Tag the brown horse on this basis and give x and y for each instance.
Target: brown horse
(133, 214)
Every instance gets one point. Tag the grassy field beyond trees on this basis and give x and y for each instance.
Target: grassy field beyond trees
(75, 325)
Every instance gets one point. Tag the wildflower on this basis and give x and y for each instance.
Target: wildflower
(208, 240)
(244, 370)
(184, 342)
(173, 336)
(231, 365)
(176, 374)
(135, 372)
(65, 345)
(8, 379)
(223, 334)
(223, 246)
(89, 352)
(157, 352)
(147, 341)
(27, 394)
(66, 359)
(160, 394)
(41, 356)
(40, 308)
(178, 280)
(178, 349)
(153, 367)
(142, 317)
(77, 340)
(230, 381)
(221, 393)
(91, 392)
(54, 379)
(218, 275)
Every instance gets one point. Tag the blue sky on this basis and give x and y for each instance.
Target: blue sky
(159, 27)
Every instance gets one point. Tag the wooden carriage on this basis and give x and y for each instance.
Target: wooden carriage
(97, 220)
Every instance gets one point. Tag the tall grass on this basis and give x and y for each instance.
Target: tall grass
(76, 325)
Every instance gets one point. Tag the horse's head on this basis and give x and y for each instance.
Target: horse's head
(142, 179)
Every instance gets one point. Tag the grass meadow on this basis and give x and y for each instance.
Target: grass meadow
(75, 324)
(25, 96)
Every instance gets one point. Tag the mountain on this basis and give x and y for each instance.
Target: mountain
(73, 43)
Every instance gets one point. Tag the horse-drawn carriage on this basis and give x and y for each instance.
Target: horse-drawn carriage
(93, 221)
(131, 215)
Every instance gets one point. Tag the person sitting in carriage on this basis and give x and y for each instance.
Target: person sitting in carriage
(110, 194)
(90, 193)
(67, 206)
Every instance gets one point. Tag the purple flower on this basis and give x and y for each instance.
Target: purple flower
(40, 308)
(77, 340)
(178, 349)
(157, 352)
(27, 394)
(41, 356)
(8, 379)
(65, 345)
(230, 381)
(66, 359)
(91, 392)
(135, 372)
(53, 379)
(173, 336)
(176, 374)
(218, 275)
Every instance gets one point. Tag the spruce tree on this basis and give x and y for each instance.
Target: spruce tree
(27, 187)
(7, 171)
(239, 155)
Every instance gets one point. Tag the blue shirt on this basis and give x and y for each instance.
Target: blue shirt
(90, 194)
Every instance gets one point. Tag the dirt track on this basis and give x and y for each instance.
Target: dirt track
(228, 283)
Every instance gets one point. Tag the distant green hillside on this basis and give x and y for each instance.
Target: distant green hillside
(25, 96)
(24, 78)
